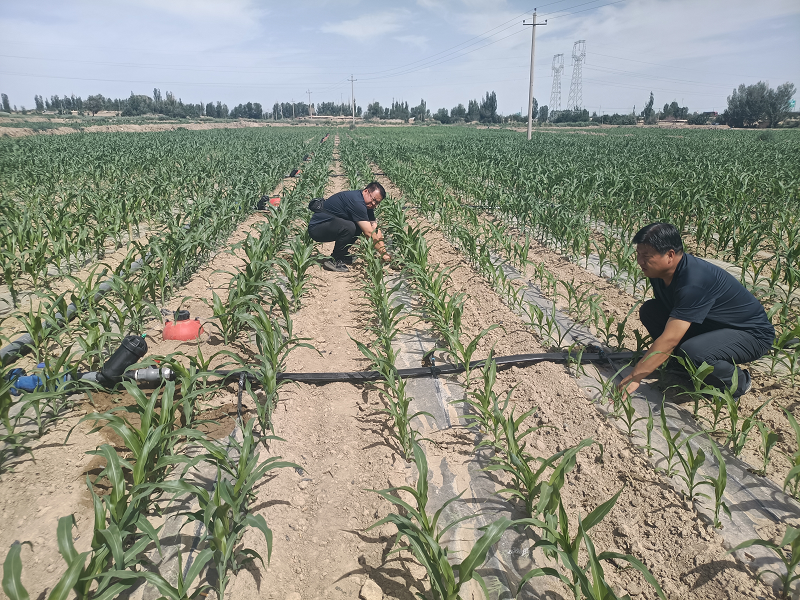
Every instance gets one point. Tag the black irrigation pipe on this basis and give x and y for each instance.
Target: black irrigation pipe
(515, 360)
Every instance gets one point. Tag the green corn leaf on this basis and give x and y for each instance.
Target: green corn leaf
(69, 579)
(12, 573)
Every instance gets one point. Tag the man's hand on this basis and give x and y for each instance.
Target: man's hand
(658, 353)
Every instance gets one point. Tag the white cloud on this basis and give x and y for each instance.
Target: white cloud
(419, 41)
(368, 26)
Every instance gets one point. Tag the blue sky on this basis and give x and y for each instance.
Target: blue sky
(445, 51)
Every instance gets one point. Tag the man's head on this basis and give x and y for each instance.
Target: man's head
(373, 194)
(658, 249)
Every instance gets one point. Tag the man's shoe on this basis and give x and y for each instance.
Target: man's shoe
(335, 265)
(347, 260)
(747, 386)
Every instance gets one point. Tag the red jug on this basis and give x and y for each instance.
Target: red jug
(183, 330)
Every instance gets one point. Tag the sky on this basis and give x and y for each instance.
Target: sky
(446, 52)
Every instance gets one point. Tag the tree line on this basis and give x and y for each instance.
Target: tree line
(747, 106)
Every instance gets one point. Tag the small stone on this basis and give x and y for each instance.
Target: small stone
(623, 531)
(370, 591)
(298, 501)
(634, 589)
(302, 484)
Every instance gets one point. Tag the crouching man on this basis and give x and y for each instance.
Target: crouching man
(344, 217)
(699, 309)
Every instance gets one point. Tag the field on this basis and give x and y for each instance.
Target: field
(528, 477)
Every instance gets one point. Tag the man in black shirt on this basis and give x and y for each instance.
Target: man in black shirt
(700, 309)
(346, 215)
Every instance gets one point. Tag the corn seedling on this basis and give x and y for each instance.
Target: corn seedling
(792, 481)
(673, 445)
(296, 269)
(718, 484)
(588, 580)
(790, 559)
(537, 493)
(224, 512)
(697, 376)
(424, 536)
(768, 441)
(692, 462)
(274, 346)
(488, 410)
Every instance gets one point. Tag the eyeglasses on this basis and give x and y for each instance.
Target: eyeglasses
(373, 198)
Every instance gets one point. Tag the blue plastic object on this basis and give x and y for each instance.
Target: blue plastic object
(24, 382)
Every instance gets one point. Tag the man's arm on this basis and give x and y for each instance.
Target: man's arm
(659, 352)
(367, 227)
(370, 229)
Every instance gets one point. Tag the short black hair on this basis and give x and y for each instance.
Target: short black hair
(663, 237)
(376, 187)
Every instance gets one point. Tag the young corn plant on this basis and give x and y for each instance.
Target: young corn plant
(224, 511)
(692, 462)
(792, 480)
(588, 580)
(769, 439)
(718, 484)
(274, 343)
(296, 268)
(487, 408)
(790, 558)
(528, 483)
(424, 536)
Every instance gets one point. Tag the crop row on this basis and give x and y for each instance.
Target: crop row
(477, 239)
(162, 447)
(63, 200)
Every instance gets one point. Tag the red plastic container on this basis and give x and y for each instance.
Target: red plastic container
(183, 330)
(275, 201)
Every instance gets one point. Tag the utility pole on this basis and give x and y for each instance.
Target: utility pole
(292, 109)
(353, 98)
(533, 54)
(310, 110)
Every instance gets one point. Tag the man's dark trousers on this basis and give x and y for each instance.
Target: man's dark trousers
(720, 348)
(343, 232)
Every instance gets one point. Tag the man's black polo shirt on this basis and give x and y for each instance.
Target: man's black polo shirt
(705, 294)
(347, 205)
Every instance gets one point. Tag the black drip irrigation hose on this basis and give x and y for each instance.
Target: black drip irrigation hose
(515, 360)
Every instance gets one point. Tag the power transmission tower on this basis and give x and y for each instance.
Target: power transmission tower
(555, 94)
(533, 52)
(310, 109)
(353, 98)
(575, 100)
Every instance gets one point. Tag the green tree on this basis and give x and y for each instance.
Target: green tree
(374, 111)
(6, 105)
(473, 111)
(458, 112)
(648, 113)
(421, 112)
(442, 116)
(94, 104)
(544, 112)
(747, 105)
(778, 103)
(488, 109)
